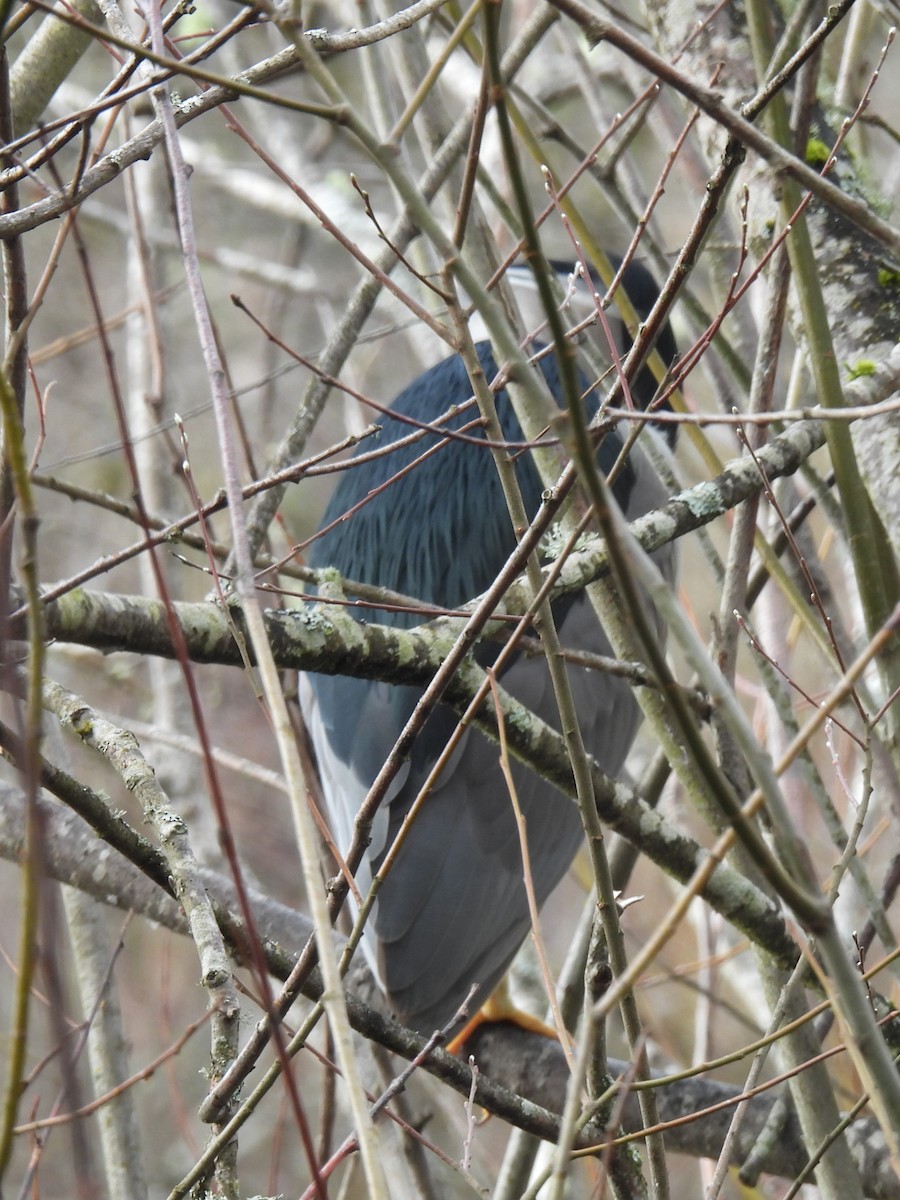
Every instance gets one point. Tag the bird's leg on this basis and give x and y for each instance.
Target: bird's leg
(499, 1006)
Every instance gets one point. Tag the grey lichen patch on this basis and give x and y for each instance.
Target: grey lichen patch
(316, 626)
(703, 500)
(169, 825)
(519, 722)
(323, 631)
(556, 539)
(311, 617)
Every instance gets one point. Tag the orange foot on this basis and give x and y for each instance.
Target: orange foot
(499, 1007)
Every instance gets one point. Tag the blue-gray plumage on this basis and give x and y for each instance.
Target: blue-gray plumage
(453, 910)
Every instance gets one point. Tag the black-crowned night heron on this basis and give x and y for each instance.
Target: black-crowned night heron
(453, 910)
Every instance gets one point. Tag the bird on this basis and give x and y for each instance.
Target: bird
(453, 910)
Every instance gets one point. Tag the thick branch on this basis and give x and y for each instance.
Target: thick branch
(304, 639)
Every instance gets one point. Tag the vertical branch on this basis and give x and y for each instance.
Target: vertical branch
(120, 1137)
(244, 585)
(17, 500)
